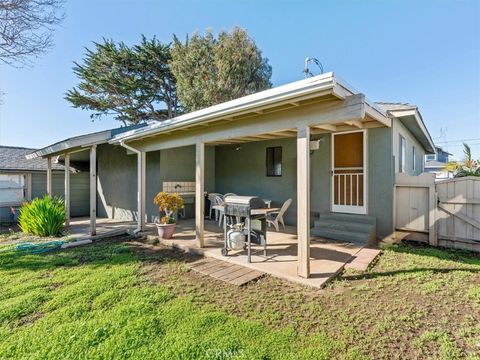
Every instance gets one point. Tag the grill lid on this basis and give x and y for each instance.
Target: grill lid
(253, 202)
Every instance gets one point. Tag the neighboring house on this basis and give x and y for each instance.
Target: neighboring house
(317, 141)
(22, 179)
(435, 163)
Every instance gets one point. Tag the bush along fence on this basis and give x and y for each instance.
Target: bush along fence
(447, 211)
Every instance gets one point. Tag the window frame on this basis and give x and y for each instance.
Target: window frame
(402, 154)
(23, 187)
(276, 161)
(414, 158)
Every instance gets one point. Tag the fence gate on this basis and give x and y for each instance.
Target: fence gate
(458, 213)
(449, 210)
(415, 204)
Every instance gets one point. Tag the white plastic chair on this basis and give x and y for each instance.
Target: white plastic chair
(276, 217)
(219, 208)
(211, 197)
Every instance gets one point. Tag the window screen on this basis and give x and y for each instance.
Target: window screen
(274, 161)
(12, 189)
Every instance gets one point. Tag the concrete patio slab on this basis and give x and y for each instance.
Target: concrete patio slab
(327, 258)
(326, 261)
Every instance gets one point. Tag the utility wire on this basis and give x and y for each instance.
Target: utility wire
(458, 140)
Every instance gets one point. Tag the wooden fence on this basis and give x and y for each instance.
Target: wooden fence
(448, 211)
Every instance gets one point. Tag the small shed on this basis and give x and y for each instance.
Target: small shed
(24, 179)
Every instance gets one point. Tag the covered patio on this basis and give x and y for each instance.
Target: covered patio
(327, 107)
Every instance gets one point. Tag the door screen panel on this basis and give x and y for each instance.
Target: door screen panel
(348, 173)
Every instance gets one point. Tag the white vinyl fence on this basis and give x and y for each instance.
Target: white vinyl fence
(449, 210)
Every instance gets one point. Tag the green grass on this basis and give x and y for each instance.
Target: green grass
(121, 300)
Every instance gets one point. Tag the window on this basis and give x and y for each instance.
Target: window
(430, 157)
(414, 159)
(401, 158)
(12, 189)
(274, 161)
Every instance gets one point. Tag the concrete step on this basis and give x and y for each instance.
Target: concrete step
(341, 235)
(366, 219)
(346, 227)
(343, 225)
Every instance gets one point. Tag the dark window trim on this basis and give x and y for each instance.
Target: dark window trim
(273, 148)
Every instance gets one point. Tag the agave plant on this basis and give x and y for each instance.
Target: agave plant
(42, 216)
(468, 167)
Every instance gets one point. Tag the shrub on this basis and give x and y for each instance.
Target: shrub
(42, 216)
(169, 204)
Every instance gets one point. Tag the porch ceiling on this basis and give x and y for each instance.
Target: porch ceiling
(260, 137)
(260, 111)
(366, 123)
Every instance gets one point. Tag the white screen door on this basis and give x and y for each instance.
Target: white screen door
(348, 172)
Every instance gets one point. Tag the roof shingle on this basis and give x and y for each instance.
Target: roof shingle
(12, 158)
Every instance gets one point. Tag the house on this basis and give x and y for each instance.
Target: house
(317, 141)
(435, 163)
(22, 179)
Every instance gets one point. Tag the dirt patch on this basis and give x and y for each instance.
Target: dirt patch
(30, 319)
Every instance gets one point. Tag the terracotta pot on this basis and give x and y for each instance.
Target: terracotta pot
(165, 231)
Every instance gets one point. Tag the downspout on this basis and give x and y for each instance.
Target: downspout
(141, 213)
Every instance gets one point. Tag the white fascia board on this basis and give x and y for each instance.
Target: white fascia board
(422, 125)
(418, 118)
(316, 84)
(68, 145)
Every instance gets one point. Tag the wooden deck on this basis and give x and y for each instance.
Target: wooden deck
(225, 271)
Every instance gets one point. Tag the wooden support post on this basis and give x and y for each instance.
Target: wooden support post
(29, 186)
(199, 194)
(67, 189)
(432, 216)
(303, 201)
(49, 176)
(141, 167)
(93, 190)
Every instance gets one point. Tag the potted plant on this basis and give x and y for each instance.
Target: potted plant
(168, 204)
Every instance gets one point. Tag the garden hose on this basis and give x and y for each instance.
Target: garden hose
(39, 248)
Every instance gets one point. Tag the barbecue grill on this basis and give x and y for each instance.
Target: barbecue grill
(245, 222)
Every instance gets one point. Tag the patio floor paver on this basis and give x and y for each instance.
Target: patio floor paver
(225, 271)
(362, 259)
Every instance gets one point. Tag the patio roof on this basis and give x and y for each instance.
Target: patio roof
(79, 143)
(283, 97)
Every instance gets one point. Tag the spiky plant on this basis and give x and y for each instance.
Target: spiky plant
(42, 216)
(468, 167)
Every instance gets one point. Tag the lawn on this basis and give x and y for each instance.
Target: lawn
(119, 299)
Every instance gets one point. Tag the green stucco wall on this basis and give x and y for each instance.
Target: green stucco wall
(380, 179)
(116, 183)
(117, 178)
(243, 172)
(79, 190)
(411, 142)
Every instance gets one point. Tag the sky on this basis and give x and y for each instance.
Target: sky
(422, 52)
